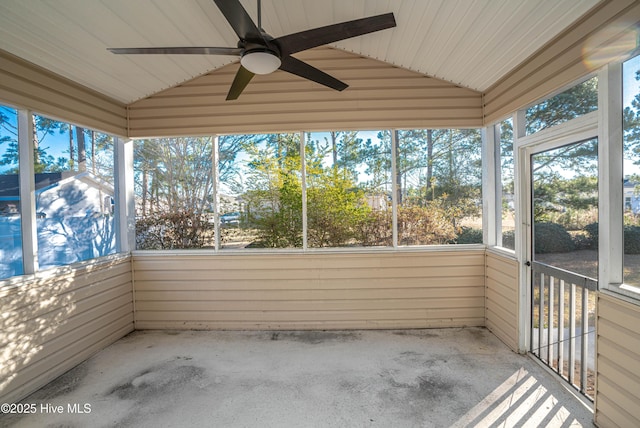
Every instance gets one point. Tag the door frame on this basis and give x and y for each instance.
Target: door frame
(573, 131)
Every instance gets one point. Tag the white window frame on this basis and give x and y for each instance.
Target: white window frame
(611, 155)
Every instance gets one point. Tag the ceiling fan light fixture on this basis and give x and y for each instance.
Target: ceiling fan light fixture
(260, 61)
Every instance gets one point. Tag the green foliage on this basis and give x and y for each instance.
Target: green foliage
(335, 208)
(591, 231)
(632, 240)
(552, 238)
(631, 237)
(427, 225)
(572, 103)
(469, 235)
(173, 230)
(281, 226)
(509, 239)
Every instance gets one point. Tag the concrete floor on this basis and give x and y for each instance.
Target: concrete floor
(407, 378)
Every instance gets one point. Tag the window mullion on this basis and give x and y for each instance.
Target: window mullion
(27, 192)
(490, 216)
(303, 166)
(394, 188)
(215, 153)
(610, 154)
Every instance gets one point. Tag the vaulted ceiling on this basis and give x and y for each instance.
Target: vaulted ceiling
(470, 43)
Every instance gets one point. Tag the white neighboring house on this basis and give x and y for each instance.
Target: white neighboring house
(74, 195)
(632, 196)
(74, 217)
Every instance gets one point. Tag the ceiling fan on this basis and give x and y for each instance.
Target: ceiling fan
(262, 54)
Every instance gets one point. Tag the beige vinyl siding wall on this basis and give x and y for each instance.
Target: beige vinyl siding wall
(605, 33)
(57, 319)
(379, 96)
(501, 294)
(316, 290)
(25, 85)
(618, 363)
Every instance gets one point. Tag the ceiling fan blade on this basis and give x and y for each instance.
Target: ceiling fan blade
(304, 40)
(302, 69)
(239, 20)
(242, 79)
(178, 51)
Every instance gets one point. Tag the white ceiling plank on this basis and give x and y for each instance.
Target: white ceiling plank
(471, 43)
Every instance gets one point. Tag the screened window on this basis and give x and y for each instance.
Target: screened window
(10, 217)
(74, 181)
(439, 184)
(631, 169)
(260, 191)
(570, 104)
(174, 193)
(507, 219)
(348, 188)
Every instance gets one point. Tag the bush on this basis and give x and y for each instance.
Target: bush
(469, 235)
(509, 239)
(592, 233)
(552, 238)
(632, 239)
(582, 241)
(173, 230)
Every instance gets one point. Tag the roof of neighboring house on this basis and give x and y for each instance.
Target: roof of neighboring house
(10, 187)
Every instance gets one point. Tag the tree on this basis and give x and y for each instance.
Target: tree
(574, 102)
(174, 186)
(631, 127)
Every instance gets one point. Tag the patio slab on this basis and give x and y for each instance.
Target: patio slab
(403, 378)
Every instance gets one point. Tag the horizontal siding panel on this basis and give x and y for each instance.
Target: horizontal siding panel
(325, 290)
(507, 267)
(285, 97)
(618, 362)
(309, 325)
(64, 279)
(452, 282)
(66, 360)
(59, 318)
(311, 305)
(311, 315)
(30, 72)
(617, 373)
(624, 337)
(28, 90)
(503, 304)
(54, 303)
(617, 393)
(307, 261)
(623, 315)
(379, 96)
(374, 103)
(334, 274)
(41, 330)
(292, 117)
(26, 85)
(505, 283)
(502, 298)
(614, 352)
(609, 410)
(112, 314)
(336, 294)
(346, 123)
